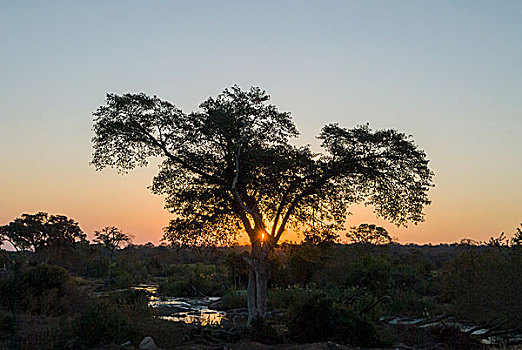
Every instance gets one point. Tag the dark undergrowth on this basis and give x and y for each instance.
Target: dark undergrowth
(338, 293)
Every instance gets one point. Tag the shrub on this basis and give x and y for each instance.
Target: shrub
(99, 324)
(486, 282)
(36, 290)
(234, 299)
(261, 331)
(408, 302)
(313, 318)
(193, 280)
(317, 317)
(135, 300)
(43, 277)
(6, 322)
(4, 258)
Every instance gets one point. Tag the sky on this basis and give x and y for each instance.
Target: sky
(447, 72)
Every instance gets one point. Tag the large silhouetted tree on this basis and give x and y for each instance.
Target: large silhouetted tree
(230, 167)
(40, 230)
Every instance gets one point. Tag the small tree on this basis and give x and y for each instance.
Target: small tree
(237, 268)
(112, 238)
(369, 234)
(516, 240)
(36, 231)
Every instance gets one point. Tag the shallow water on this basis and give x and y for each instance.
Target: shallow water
(511, 338)
(180, 309)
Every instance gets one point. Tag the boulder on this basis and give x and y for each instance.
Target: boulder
(148, 344)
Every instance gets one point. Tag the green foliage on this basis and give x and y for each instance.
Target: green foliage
(317, 317)
(40, 290)
(297, 264)
(82, 259)
(278, 298)
(6, 323)
(312, 319)
(99, 324)
(128, 270)
(4, 258)
(237, 268)
(404, 281)
(406, 302)
(41, 307)
(194, 280)
(486, 282)
(234, 299)
(261, 331)
(43, 277)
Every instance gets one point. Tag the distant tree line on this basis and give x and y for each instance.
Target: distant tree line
(36, 232)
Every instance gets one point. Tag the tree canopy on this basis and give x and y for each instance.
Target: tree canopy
(36, 231)
(230, 166)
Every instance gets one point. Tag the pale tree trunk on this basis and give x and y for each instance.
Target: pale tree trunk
(262, 289)
(258, 282)
(251, 295)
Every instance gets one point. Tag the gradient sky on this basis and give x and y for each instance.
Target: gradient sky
(447, 72)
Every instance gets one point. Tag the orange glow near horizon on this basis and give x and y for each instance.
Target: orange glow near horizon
(460, 209)
(132, 208)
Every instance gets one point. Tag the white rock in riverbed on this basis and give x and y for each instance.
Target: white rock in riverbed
(148, 344)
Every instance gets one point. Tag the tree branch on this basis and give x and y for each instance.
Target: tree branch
(174, 158)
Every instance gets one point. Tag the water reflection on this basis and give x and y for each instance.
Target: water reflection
(486, 335)
(180, 309)
(204, 317)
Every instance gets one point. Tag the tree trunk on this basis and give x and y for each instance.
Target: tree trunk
(251, 295)
(258, 282)
(262, 287)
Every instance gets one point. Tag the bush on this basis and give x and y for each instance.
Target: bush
(6, 322)
(4, 258)
(194, 280)
(313, 318)
(136, 300)
(43, 277)
(262, 332)
(408, 302)
(37, 290)
(317, 317)
(280, 298)
(234, 299)
(486, 282)
(99, 324)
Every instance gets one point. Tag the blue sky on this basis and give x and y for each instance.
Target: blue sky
(447, 72)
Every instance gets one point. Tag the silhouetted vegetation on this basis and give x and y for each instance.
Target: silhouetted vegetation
(41, 230)
(486, 282)
(318, 292)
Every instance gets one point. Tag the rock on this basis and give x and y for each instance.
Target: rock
(148, 344)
